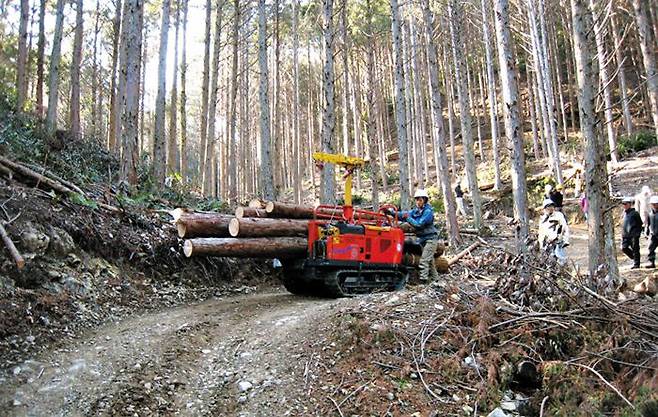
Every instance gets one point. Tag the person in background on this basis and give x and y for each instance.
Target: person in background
(631, 231)
(653, 229)
(422, 219)
(642, 207)
(578, 180)
(556, 196)
(553, 231)
(584, 204)
(459, 197)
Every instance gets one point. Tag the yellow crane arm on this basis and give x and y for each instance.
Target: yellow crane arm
(349, 162)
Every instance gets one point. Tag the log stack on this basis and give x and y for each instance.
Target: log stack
(258, 230)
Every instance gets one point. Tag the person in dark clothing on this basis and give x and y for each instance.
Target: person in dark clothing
(556, 196)
(631, 231)
(459, 198)
(653, 229)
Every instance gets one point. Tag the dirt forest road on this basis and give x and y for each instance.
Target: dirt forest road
(239, 356)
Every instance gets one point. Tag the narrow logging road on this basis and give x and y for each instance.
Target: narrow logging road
(240, 356)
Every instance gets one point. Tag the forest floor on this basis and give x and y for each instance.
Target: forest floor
(108, 318)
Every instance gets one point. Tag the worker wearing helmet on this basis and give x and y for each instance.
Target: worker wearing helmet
(422, 219)
(631, 231)
(653, 228)
(553, 231)
(557, 197)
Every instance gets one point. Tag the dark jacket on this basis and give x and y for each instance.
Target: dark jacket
(423, 222)
(556, 197)
(653, 223)
(632, 224)
(458, 191)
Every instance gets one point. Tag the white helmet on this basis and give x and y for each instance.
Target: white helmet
(421, 193)
(653, 199)
(547, 202)
(625, 200)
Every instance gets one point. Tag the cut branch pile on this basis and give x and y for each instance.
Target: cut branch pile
(468, 349)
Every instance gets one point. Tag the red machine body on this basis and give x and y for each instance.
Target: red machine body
(349, 255)
(377, 244)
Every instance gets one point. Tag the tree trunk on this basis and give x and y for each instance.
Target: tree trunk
(456, 17)
(21, 67)
(96, 85)
(159, 136)
(208, 153)
(130, 116)
(53, 76)
(183, 98)
(513, 130)
(41, 50)
(295, 105)
(621, 75)
(114, 100)
(600, 244)
(233, 147)
(284, 247)
(533, 115)
(328, 181)
(76, 63)
(491, 88)
(438, 134)
(604, 77)
(203, 161)
(372, 108)
(267, 185)
(400, 116)
(648, 47)
(264, 227)
(172, 142)
(342, 29)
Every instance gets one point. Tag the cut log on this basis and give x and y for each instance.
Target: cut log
(256, 203)
(242, 212)
(202, 225)
(463, 253)
(279, 210)
(256, 227)
(289, 211)
(283, 247)
(20, 262)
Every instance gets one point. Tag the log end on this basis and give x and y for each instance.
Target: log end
(188, 248)
(239, 212)
(182, 229)
(269, 207)
(176, 214)
(234, 227)
(255, 203)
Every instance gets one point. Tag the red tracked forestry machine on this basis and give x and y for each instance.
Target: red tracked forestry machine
(353, 252)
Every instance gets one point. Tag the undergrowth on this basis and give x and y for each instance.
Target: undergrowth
(87, 163)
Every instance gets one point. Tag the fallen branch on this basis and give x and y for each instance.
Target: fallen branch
(340, 413)
(55, 177)
(20, 262)
(595, 372)
(27, 172)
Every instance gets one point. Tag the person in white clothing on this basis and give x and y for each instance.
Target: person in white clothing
(554, 232)
(643, 207)
(459, 197)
